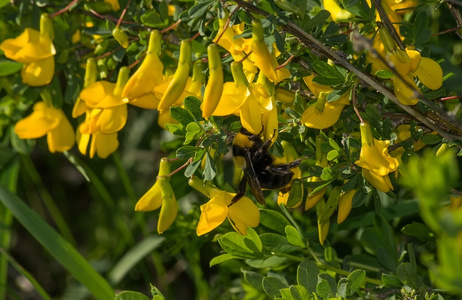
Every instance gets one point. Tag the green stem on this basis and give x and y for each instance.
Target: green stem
(124, 176)
(326, 267)
(47, 199)
(40, 290)
(8, 179)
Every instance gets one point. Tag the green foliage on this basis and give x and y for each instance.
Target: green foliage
(67, 219)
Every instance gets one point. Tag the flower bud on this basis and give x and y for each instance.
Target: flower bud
(121, 37)
(214, 87)
(46, 26)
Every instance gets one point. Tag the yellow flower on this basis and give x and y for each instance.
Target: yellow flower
(49, 121)
(345, 205)
(36, 51)
(241, 214)
(243, 99)
(110, 108)
(409, 64)
(336, 12)
(140, 87)
(160, 195)
(102, 144)
(323, 114)
(262, 57)
(237, 47)
(375, 161)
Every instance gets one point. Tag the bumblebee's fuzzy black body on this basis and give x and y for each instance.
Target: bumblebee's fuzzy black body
(260, 170)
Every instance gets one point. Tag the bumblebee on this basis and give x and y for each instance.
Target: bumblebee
(251, 154)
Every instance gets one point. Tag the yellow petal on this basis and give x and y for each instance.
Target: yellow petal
(29, 46)
(151, 200)
(382, 183)
(245, 211)
(376, 159)
(345, 205)
(39, 73)
(312, 200)
(314, 87)
(169, 208)
(105, 144)
(143, 81)
(251, 116)
(231, 99)
(42, 120)
(79, 108)
(336, 12)
(100, 95)
(404, 93)
(147, 101)
(401, 62)
(414, 57)
(62, 137)
(429, 73)
(322, 119)
(213, 213)
(82, 141)
(113, 119)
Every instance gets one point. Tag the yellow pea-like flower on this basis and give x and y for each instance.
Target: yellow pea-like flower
(180, 78)
(214, 88)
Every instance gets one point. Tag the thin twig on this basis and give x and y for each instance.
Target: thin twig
(355, 107)
(64, 9)
(123, 13)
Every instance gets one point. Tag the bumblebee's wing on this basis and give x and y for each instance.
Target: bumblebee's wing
(252, 179)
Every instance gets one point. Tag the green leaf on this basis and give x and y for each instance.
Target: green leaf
(431, 139)
(299, 292)
(153, 19)
(418, 230)
(323, 289)
(234, 244)
(384, 74)
(355, 280)
(273, 220)
(222, 258)
(8, 67)
(133, 257)
(192, 132)
(200, 9)
(327, 174)
(293, 237)
(181, 115)
(317, 20)
(186, 152)
(57, 246)
(272, 285)
(327, 71)
(254, 279)
(390, 280)
(128, 295)
(253, 241)
(332, 155)
(193, 105)
(210, 169)
(277, 243)
(307, 275)
(330, 255)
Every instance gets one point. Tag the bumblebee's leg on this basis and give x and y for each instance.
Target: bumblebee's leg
(264, 147)
(241, 192)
